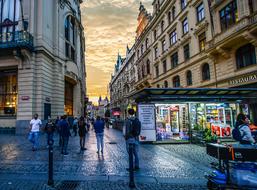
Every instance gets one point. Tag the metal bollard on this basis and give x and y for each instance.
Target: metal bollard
(50, 164)
(131, 169)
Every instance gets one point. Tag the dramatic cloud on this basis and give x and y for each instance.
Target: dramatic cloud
(109, 26)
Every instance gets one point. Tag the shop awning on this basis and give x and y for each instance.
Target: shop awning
(196, 95)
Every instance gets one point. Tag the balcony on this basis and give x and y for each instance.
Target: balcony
(144, 82)
(18, 39)
(231, 36)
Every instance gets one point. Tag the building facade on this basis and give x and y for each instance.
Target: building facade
(196, 43)
(42, 61)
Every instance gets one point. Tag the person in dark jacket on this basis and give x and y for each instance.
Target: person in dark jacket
(82, 132)
(49, 129)
(65, 134)
(99, 132)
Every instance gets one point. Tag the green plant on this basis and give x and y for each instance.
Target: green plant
(197, 127)
(208, 137)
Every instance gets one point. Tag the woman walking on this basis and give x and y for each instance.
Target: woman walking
(82, 132)
(99, 132)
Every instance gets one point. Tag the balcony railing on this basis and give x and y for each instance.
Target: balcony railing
(18, 39)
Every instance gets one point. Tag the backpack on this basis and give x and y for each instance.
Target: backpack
(237, 134)
(136, 127)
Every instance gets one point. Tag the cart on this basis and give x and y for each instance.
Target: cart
(232, 160)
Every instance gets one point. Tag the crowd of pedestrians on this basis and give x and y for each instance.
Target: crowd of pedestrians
(65, 127)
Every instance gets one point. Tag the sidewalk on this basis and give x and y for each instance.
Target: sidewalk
(159, 164)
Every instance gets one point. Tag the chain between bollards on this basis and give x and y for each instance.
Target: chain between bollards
(50, 164)
(131, 168)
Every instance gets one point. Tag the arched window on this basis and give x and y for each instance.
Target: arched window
(245, 56)
(158, 86)
(206, 72)
(189, 78)
(166, 84)
(173, 12)
(70, 37)
(176, 81)
(148, 66)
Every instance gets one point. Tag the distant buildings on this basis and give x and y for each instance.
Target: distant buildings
(189, 44)
(42, 61)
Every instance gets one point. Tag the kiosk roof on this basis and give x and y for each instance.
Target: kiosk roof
(196, 95)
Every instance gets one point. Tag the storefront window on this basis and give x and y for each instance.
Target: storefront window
(172, 122)
(218, 118)
(68, 98)
(8, 93)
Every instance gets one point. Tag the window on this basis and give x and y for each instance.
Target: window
(138, 53)
(166, 84)
(156, 52)
(143, 71)
(164, 65)
(176, 82)
(228, 15)
(8, 92)
(169, 17)
(9, 18)
(174, 60)
(245, 56)
(200, 12)
(155, 34)
(142, 49)
(206, 72)
(148, 67)
(157, 70)
(185, 26)
(70, 37)
(173, 12)
(189, 78)
(183, 4)
(186, 52)
(162, 25)
(202, 41)
(146, 43)
(173, 37)
(158, 86)
(163, 45)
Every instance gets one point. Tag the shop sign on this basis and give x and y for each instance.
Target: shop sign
(146, 113)
(244, 79)
(25, 98)
(147, 116)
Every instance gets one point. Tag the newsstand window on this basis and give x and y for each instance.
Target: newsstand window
(8, 93)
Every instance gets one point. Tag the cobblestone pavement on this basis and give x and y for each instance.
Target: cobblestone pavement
(162, 166)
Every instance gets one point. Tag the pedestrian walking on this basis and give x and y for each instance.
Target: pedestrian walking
(131, 133)
(75, 126)
(65, 134)
(58, 127)
(49, 129)
(99, 132)
(35, 125)
(82, 132)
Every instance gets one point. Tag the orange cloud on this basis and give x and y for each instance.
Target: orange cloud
(109, 26)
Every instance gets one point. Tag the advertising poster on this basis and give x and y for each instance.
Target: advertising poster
(146, 115)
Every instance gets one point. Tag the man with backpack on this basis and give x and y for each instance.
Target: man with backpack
(242, 132)
(131, 133)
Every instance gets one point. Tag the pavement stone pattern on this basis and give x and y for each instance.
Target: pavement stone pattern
(162, 166)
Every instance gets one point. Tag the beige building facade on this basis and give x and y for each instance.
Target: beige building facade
(195, 43)
(42, 61)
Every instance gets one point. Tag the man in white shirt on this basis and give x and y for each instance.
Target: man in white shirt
(35, 125)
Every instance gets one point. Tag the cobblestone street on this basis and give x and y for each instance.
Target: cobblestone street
(162, 166)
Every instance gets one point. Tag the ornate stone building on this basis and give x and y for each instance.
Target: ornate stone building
(42, 61)
(196, 43)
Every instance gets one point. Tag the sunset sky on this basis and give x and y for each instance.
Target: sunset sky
(109, 26)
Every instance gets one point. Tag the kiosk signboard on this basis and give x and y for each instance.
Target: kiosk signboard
(146, 114)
